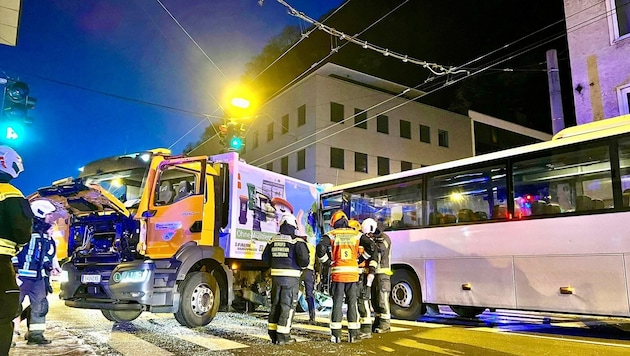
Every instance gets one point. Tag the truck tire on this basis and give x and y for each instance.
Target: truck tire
(121, 316)
(199, 300)
(406, 297)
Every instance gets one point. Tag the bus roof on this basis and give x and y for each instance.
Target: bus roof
(581, 133)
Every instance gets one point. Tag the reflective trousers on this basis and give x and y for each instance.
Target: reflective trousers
(349, 290)
(9, 303)
(36, 290)
(364, 304)
(381, 288)
(284, 294)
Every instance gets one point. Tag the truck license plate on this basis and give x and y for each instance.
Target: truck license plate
(91, 278)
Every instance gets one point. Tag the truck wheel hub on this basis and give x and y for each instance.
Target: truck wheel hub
(202, 299)
(402, 294)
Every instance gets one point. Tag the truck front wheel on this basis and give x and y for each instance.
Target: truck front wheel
(121, 316)
(199, 300)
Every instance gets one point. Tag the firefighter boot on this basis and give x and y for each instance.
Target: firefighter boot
(273, 335)
(37, 339)
(365, 332)
(284, 339)
(336, 336)
(383, 327)
(311, 310)
(353, 336)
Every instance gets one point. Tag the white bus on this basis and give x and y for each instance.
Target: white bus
(544, 227)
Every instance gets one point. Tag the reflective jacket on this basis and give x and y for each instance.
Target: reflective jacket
(286, 255)
(15, 219)
(383, 253)
(343, 244)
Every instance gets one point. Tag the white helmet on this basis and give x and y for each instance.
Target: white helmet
(10, 161)
(289, 219)
(368, 226)
(41, 207)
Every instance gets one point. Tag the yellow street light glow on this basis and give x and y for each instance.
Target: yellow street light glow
(240, 103)
(457, 197)
(116, 182)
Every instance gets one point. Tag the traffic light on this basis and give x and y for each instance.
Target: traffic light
(234, 136)
(16, 101)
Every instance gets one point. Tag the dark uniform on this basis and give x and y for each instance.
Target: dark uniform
(382, 283)
(15, 230)
(287, 254)
(339, 249)
(34, 263)
(308, 276)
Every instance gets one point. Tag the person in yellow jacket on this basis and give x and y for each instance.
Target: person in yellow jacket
(339, 249)
(308, 276)
(16, 219)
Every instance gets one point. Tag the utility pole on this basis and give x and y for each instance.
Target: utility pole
(555, 93)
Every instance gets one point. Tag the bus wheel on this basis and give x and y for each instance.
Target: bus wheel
(199, 300)
(406, 297)
(121, 316)
(467, 312)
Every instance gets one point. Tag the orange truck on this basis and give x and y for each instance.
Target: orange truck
(170, 234)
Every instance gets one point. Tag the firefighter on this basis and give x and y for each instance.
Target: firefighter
(35, 263)
(15, 231)
(339, 249)
(367, 268)
(287, 254)
(308, 276)
(382, 284)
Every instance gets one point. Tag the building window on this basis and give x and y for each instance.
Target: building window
(405, 129)
(405, 166)
(285, 124)
(382, 124)
(301, 115)
(360, 118)
(255, 139)
(301, 160)
(336, 158)
(383, 166)
(623, 95)
(425, 134)
(360, 162)
(443, 138)
(284, 165)
(620, 17)
(269, 166)
(270, 132)
(336, 112)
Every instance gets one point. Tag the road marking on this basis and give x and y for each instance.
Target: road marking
(419, 323)
(345, 323)
(627, 346)
(211, 342)
(128, 344)
(414, 344)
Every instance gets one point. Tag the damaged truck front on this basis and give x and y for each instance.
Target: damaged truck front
(168, 234)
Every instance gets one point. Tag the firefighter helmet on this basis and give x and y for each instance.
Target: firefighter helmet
(42, 207)
(289, 219)
(355, 225)
(368, 226)
(10, 161)
(336, 216)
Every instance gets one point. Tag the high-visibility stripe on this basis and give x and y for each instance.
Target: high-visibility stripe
(345, 269)
(366, 320)
(311, 256)
(272, 326)
(387, 271)
(385, 316)
(365, 255)
(27, 273)
(353, 325)
(37, 327)
(281, 272)
(335, 325)
(324, 258)
(9, 191)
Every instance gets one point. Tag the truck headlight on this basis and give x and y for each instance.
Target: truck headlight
(133, 276)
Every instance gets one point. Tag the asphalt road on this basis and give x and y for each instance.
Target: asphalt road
(87, 332)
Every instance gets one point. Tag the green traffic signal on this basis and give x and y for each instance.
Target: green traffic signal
(236, 143)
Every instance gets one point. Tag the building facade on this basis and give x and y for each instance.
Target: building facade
(599, 47)
(338, 125)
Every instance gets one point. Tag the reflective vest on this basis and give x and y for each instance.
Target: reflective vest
(344, 266)
(8, 247)
(311, 256)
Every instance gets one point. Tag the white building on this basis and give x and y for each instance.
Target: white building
(599, 50)
(338, 125)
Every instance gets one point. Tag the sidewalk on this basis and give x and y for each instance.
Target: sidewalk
(63, 343)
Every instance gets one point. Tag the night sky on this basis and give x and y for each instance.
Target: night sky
(121, 76)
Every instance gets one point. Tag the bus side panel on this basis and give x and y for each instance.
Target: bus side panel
(597, 282)
(471, 281)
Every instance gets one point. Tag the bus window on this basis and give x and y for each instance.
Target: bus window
(394, 207)
(624, 164)
(561, 182)
(468, 196)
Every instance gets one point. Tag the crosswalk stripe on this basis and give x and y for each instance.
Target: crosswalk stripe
(211, 342)
(129, 344)
(419, 323)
